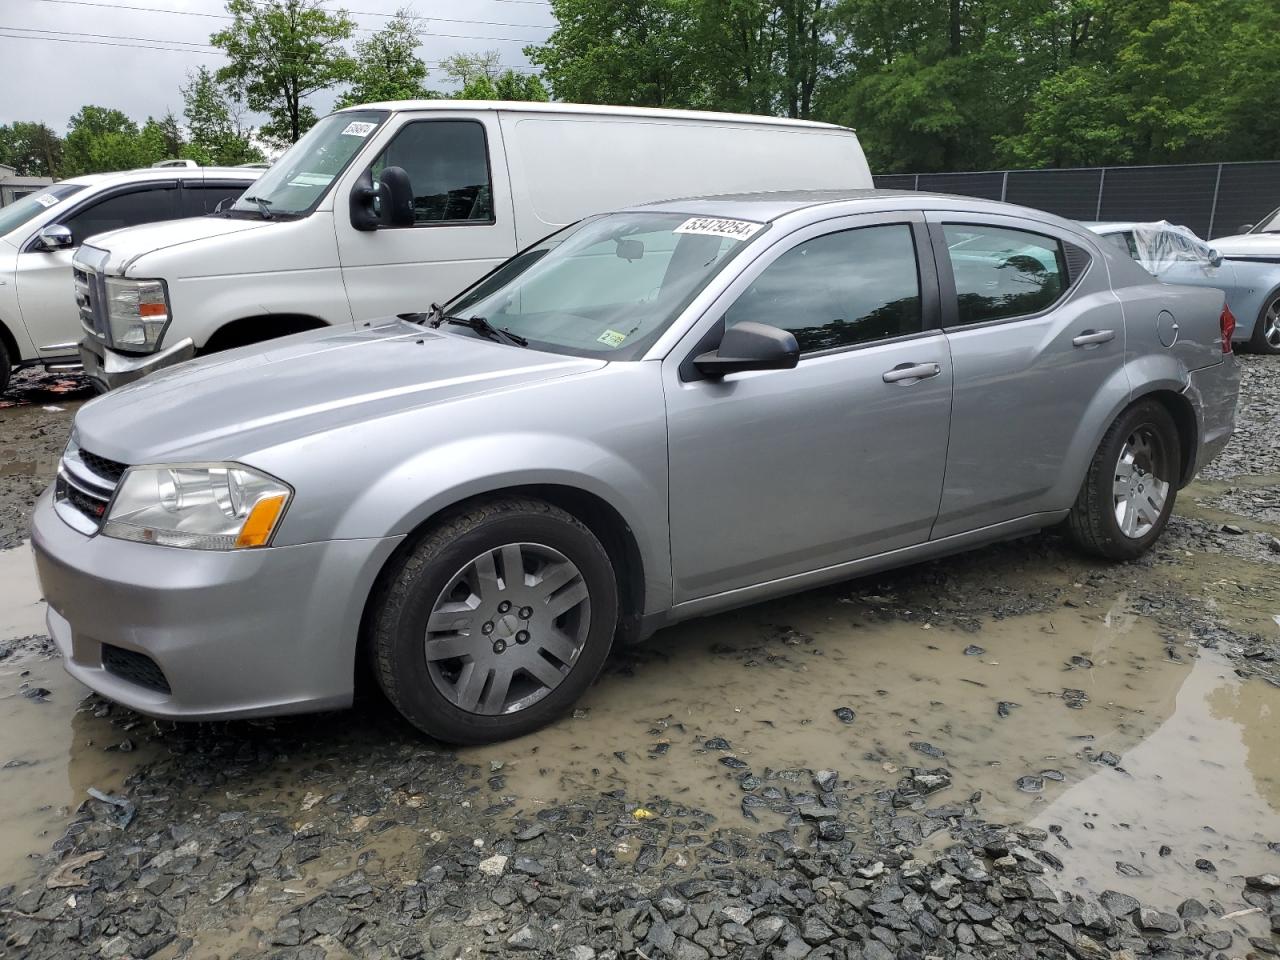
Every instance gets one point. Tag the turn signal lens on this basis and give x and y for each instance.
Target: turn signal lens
(261, 521)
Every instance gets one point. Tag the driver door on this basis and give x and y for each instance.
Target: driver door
(782, 472)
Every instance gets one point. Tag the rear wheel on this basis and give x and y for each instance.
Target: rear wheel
(1129, 491)
(496, 622)
(1266, 332)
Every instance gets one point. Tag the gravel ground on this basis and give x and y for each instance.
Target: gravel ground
(346, 835)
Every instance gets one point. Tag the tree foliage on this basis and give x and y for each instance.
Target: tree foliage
(32, 149)
(216, 135)
(280, 52)
(387, 63)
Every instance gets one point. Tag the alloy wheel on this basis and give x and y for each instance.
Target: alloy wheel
(507, 629)
(1138, 494)
(1271, 324)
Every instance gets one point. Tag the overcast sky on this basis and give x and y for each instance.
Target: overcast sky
(50, 79)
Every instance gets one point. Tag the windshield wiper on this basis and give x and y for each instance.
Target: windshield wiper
(481, 326)
(264, 207)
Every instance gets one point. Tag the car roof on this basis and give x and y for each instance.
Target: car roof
(769, 206)
(561, 109)
(163, 173)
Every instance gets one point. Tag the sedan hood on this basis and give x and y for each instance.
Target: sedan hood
(226, 406)
(129, 244)
(1249, 246)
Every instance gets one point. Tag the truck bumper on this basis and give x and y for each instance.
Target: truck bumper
(198, 635)
(109, 369)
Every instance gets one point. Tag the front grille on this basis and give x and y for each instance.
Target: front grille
(136, 668)
(84, 488)
(106, 469)
(91, 291)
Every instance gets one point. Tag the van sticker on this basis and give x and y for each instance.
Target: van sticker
(716, 227)
(46, 199)
(358, 128)
(311, 180)
(611, 338)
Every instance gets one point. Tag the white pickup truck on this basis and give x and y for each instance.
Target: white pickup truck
(39, 233)
(382, 209)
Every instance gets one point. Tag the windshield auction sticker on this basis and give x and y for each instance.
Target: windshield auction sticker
(612, 338)
(716, 227)
(46, 200)
(358, 128)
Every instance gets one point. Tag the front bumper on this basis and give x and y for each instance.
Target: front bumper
(235, 634)
(110, 369)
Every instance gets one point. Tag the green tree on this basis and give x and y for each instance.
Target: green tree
(464, 68)
(32, 149)
(281, 52)
(387, 63)
(160, 139)
(101, 139)
(512, 85)
(216, 136)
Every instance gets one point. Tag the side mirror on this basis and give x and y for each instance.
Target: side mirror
(1246, 227)
(364, 205)
(55, 236)
(750, 346)
(1215, 258)
(396, 195)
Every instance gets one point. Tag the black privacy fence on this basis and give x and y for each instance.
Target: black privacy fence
(1213, 199)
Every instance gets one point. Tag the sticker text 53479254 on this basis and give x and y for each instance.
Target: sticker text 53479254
(720, 227)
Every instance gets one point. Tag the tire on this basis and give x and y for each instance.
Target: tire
(455, 661)
(1142, 442)
(6, 368)
(1266, 332)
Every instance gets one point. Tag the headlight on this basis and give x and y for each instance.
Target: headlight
(137, 313)
(221, 506)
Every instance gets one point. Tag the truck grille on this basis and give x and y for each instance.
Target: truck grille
(84, 488)
(91, 293)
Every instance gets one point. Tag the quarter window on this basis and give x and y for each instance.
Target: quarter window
(1002, 273)
(448, 166)
(838, 290)
(123, 210)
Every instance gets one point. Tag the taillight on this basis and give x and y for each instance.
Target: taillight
(1228, 323)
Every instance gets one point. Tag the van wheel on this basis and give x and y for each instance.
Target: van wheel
(496, 622)
(1266, 332)
(6, 368)
(1129, 491)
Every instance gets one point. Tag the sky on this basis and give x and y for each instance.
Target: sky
(48, 71)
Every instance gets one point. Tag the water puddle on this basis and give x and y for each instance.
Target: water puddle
(51, 749)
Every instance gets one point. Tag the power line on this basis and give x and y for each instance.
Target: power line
(78, 33)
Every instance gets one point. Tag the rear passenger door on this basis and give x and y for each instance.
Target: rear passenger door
(1037, 347)
(462, 226)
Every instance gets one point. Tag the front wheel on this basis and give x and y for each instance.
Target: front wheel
(496, 622)
(1266, 332)
(1129, 491)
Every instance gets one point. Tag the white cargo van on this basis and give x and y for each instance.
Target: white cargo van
(382, 209)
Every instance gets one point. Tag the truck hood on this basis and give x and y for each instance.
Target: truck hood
(226, 406)
(1248, 246)
(129, 244)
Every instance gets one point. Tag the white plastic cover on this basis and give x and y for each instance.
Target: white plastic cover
(1160, 246)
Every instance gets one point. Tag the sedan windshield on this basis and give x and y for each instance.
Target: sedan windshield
(608, 286)
(295, 183)
(19, 212)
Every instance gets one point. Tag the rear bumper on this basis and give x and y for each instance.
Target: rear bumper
(110, 369)
(1214, 391)
(235, 634)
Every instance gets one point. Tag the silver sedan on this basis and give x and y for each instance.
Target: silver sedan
(652, 415)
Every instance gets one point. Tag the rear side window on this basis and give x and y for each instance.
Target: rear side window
(123, 210)
(843, 289)
(448, 166)
(1002, 273)
(201, 198)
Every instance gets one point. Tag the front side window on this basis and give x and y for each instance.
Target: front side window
(846, 288)
(1002, 273)
(609, 286)
(204, 198)
(123, 210)
(20, 211)
(448, 166)
(295, 184)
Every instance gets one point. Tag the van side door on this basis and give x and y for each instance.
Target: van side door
(463, 225)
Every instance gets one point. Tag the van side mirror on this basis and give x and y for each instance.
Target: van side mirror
(750, 346)
(55, 236)
(396, 194)
(365, 207)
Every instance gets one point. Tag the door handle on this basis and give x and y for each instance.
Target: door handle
(1093, 337)
(912, 372)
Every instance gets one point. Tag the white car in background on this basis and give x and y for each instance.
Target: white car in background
(1240, 267)
(39, 322)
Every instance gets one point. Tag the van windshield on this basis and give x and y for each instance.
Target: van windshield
(294, 184)
(607, 287)
(20, 211)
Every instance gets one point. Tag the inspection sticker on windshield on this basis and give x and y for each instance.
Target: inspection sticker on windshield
(46, 199)
(611, 338)
(716, 227)
(358, 128)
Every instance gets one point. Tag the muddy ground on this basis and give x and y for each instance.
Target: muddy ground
(1018, 752)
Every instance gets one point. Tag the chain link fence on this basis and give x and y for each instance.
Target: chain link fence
(1213, 199)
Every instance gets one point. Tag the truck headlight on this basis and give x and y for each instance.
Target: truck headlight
(219, 506)
(137, 313)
